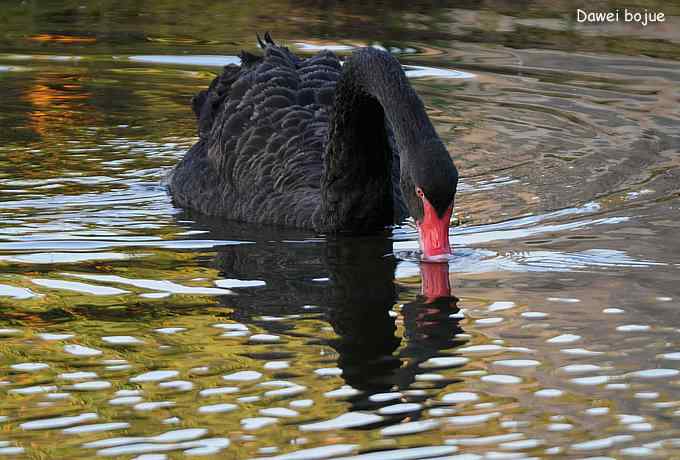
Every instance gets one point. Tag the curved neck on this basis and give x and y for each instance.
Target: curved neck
(377, 118)
(378, 74)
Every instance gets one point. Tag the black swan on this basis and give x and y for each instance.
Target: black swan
(314, 144)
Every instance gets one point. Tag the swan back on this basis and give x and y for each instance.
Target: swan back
(262, 132)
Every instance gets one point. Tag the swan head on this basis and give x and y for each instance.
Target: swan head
(430, 191)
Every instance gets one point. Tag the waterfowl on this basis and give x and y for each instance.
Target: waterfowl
(318, 144)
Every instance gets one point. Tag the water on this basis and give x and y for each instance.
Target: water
(132, 329)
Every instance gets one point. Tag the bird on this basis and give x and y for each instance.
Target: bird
(320, 144)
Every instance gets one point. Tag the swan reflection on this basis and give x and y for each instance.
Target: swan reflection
(384, 330)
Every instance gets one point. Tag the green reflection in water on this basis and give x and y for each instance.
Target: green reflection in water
(566, 257)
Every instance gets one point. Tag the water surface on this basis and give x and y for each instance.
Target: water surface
(132, 329)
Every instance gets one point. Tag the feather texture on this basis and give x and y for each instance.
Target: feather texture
(262, 129)
(305, 143)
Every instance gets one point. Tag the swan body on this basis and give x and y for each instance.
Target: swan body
(317, 144)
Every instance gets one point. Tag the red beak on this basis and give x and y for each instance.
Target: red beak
(434, 232)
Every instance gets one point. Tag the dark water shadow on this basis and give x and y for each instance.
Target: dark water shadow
(350, 282)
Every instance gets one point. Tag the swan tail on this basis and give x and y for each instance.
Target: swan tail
(268, 40)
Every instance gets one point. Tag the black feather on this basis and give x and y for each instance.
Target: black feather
(309, 143)
(249, 59)
(260, 42)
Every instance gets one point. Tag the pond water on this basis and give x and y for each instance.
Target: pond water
(132, 329)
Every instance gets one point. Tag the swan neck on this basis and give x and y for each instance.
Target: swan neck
(377, 74)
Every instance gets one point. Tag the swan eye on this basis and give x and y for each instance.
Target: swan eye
(419, 192)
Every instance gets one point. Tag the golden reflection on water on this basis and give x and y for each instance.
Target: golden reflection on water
(203, 349)
(65, 39)
(562, 340)
(54, 106)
